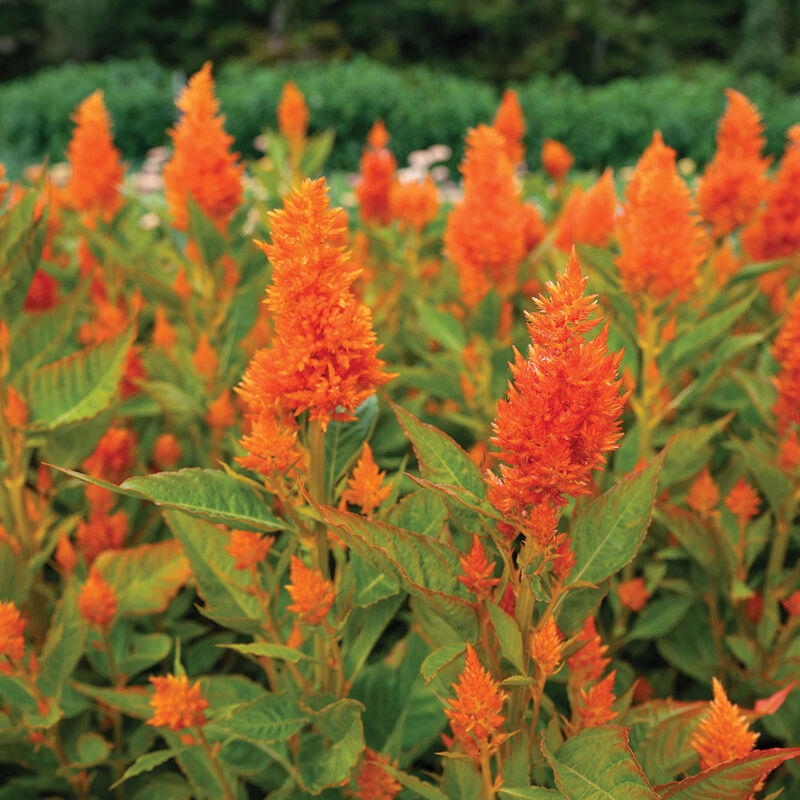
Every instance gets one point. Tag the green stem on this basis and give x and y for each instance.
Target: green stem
(486, 773)
(213, 762)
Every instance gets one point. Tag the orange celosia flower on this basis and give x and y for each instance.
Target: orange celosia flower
(786, 352)
(556, 159)
(115, 455)
(205, 359)
(474, 714)
(164, 333)
(792, 604)
(414, 204)
(176, 704)
(486, 234)
(167, 451)
(590, 217)
(272, 446)
(12, 640)
(3, 184)
(323, 355)
(533, 227)
(660, 237)
(248, 548)
(181, 285)
(43, 292)
(594, 706)
(478, 571)
(509, 122)
(221, 414)
(546, 643)
(703, 495)
(16, 411)
(722, 735)
(590, 662)
(365, 487)
(293, 116)
(632, 594)
(732, 185)
(378, 166)
(372, 781)
(97, 600)
(743, 501)
(101, 532)
(725, 264)
(203, 165)
(789, 452)
(65, 555)
(561, 414)
(312, 594)
(96, 168)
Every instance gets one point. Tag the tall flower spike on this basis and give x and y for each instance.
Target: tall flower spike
(590, 217)
(12, 629)
(312, 594)
(733, 183)
(293, 116)
(373, 782)
(660, 237)
(96, 168)
(478, 571)
(365, 487)
(546, 642)
(590, 662)
(97, 600)
(743, 500)
(248, 548)
(203, 165)
(562, 410)
(378, 166)
(556, 159)
(786, 352)
(323, 354)
(509, 122)
(176, 704)
(594, 705)
(633, 594)
(474, 714)
(703, 495)
(723, 734)
(414, 204)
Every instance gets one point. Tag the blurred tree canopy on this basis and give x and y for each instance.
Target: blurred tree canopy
(501, 40)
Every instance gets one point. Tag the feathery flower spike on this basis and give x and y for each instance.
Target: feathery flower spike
(786, 352)
(556, 159)
(546, 645)
(633, 594)
(478, 571)
(590, 662)
(97, 600)
(378, 166)
(311, 593)
(248, 548)
(12, 639)
(365, 488)
(293, 116)
(176, 704)
(594, 705)
(703, 495)
(509, 122)
(743, 500)
(372, 780)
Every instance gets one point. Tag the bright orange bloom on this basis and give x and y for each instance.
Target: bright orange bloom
(97, 600)
(249, 548)
(533, 227)
(365, 487)
(293, 116)
(164, 334)
(546, 643)
(478, 571)
(474, 714)
(203, 165)
(43, 292)
(3, 184)
(632, 594)
(272, 445)
(373, 782)
(96, 168)
(378, 166)
(509, 122)
(16, 411)
(323, 354)
(661, 239)
(562, 410)
(12, 629)
(205, 359)
(312, 594)
(176, 704)
(789, 452)
(786, 351)
(556, 159)
(590, 662)
(743, 500)
(723, 735)
(101, 532)
(594, 706)
(792, 604)
(725, 264)
(733, 183)
(181, 285)
(590, 217)
(167, 451)
(703, 495)
(486, 232)
(221, 414)
(115, 455)
(65, 555)
(414, 204)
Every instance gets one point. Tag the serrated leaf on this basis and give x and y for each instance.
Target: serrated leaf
(772, 481)
(362, 631)
(421, 512)
(439, 659)
(148, 762)
(659, 617)
(442, 327)
(269, 650)
(270, 718)
(688, 451)
(530, 793)
(130, 700)
(427, 791)
(509, 636)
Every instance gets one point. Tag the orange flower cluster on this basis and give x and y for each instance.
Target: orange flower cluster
(12, 639)
(474, 714)
(167, 451)
(490, 231)
(786, 352)
(176, 704)
(312, 594)
(590, 662)
(101, 532)
(16, 411)
(561, 414)
(556, 159)
(792, 604)
(595, 704)
(323, 355)
(546, 646)
(374, 188)
(733, 183)
(633, 594)
(248, 548)
(661, 239)
(478, 571)
(97, 171)
(97, 600)
(703, 495)
(509, 122)
(722, 735)
(743, 501)
(365, 487)
(372, 780)
(588, 217)
(293, 116)
(789, 452)
(203, 165)
(413, 204)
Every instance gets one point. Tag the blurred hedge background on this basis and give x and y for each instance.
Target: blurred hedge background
(597, 74)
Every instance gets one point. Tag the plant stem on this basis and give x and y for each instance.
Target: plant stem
(213, 762)
(486, 773)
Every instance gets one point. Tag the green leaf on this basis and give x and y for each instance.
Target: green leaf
(736, 780)
(442, 327)
(608, 531)
(270, 718)
(269, 650)
(427, 791)
(486, 318)
(577, 604)
(425, 568)
(659, 617)
(344, 440)
(362, 631)
(439, 659)
(63, 646)
(131, 700)
(530, 793)
(693, 533)
(690, 647)
(145, 651)
(79, 386)
(421, 512)
(145, 577)
(688, 451)
(204, 233)
(92, 749)
(148, 762)
(371, 584)
(316, 152)
(597, 764)
(772, 481)
(509, 636)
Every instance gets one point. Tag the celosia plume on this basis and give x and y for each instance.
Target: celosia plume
(176, 704)
(477, 571)
(101, 532)
(632, 594)
(311, 593)
(414, 204)
(509, 122)
(248, 548)
(293, 116)
(12, 639)
(167, 451)
(786, 351)
(556, 159)
(373, 782)
(365, 487)
(97, 600)
(588, 217)
(378, 166)
(546, 644)
(743, 500)
(595, 704)
(590, 662)
(703, 495)
(16, 411)
(203, 165)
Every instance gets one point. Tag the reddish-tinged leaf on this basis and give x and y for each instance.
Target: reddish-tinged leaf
(735, 780)
(146, 577)
(769, 705)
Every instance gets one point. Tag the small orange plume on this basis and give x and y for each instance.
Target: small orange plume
(176, 704)
(378, 166)
(509, 122)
